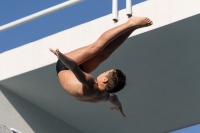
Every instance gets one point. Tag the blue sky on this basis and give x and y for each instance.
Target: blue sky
(192, 129)
(88, 10)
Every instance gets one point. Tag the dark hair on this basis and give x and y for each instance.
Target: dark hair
(116, 81)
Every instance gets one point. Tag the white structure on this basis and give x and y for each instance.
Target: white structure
(115, 10)
(161, 62)
(129, 8)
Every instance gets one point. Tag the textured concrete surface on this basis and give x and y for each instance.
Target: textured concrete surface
(24, 116)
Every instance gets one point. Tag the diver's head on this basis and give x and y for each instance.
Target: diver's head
(114, 80)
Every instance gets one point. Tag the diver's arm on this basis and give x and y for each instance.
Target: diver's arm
(115, 101)
(72, 65)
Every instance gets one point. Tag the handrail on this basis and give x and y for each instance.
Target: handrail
(115, 9)
(38, 14)
(129, 8)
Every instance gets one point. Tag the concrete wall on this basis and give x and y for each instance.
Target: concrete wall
(162, 92)
(17, 113)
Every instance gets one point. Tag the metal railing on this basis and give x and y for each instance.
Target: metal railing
(115, 9)
(39, 14)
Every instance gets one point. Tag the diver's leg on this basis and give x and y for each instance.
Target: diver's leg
(86, 53)
(94, 62)
(83, 54)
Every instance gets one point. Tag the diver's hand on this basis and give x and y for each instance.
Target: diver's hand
(56, 52)
(118, 109)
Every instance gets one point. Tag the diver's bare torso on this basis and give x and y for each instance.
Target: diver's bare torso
(76, 89)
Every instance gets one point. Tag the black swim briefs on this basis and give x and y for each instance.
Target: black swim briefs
(60, 66)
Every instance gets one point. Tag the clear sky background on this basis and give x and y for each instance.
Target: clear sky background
(88, 10)
(192, 129)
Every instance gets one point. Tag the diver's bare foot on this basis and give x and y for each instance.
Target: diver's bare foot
(139, 21)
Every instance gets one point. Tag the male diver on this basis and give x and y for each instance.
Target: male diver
(74, 68)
